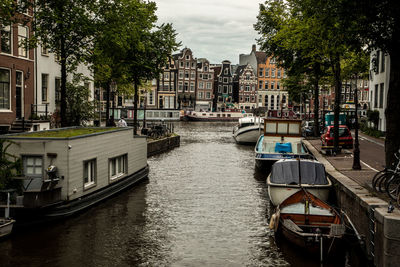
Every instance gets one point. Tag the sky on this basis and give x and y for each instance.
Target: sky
(214, 29)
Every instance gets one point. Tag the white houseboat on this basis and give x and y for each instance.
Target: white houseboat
(217, 116)
(70, 169)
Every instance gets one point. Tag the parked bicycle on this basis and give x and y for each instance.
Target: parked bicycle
(388, 180)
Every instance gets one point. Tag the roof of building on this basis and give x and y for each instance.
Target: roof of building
(261, 57)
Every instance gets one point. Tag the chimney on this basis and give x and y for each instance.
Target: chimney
(253, 48)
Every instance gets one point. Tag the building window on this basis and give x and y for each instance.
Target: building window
(267, 72)
(266, 85)
(279, 73)
(378, 55)
(186, 74)
(23, 41)
(273, 73)
(208, 95)
(260, 84)
(208, 86)
(193, 75)
(5, 35)
(151, 98)
(191, 86)
(181, 64)
(219, 88)
(187, 65)
(277, 85)
(381, 95)
(247, 98)
(200, 95)
(201, 85)
(225, 79)
(272, 85)
(225, 89)
(230, 89)
(180, 86)
(261, 72)
(89, 173)
(266, 101)
(45, 83)
(5, 89)
(193, 65)
(33, 166)
(44, 50)
(247, 88)
(117, 166)
(272, 102)
(383, 62)
(200, 75)
(376, 95)
(225, 71)
(186, 87)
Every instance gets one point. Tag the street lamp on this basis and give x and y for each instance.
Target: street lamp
(356, 152)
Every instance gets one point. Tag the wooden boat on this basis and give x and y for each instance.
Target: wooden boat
(310, 223)
(283, 180)
(282, 139)
(248, 130)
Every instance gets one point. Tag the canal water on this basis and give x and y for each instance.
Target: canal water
(203, 205)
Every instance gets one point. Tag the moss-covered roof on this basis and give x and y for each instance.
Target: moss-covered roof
(66, 132)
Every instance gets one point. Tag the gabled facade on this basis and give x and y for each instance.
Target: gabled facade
(16, 71)
(205, 86)
(271, 93)
(186, 65)
(246, 83)
(223, 83)
(167, 86)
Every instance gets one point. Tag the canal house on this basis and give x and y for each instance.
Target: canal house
(67, 170)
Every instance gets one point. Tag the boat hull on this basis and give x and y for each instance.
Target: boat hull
(278, 193)
(28, 216)
(6, 227)
(247, 135)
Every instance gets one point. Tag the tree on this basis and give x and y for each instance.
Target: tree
(79, 110)
(66, 27)
(376, 24)
(10, 166)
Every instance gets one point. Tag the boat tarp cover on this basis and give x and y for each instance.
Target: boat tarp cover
(287, 172)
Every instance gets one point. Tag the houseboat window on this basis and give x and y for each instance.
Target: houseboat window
(89, 172)
(33, 165)
(117, 166)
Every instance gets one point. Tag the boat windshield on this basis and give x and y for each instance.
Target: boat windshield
(287, 172)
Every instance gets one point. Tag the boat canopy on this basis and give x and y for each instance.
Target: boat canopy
(287, 172)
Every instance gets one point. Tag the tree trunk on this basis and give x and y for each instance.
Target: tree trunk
(108, 121)
(392, 112)
(316, 99)
(63, 89)
(135, 108)
(338, 91)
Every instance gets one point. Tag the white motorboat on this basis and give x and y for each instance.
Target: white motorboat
(285, 179)
(248, 130)
(281, 140)
(217, 115)
(6, 223)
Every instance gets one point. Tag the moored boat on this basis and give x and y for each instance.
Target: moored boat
(6, 223)
(217, 115)
(309, 223)
(284, 179)
(282, 139)
(248, 130)
(68, 170)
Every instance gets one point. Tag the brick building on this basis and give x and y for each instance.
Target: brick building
(16, 72)
(245, 83)
(205, 86)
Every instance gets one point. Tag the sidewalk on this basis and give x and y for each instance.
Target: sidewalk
(343, 163)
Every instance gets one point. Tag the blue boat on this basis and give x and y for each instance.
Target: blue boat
(282, 139)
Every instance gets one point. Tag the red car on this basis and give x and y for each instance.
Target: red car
(345, 138)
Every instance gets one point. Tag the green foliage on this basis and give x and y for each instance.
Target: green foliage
(373, 116)
(80, 109)
(370, 131)
(10, 166)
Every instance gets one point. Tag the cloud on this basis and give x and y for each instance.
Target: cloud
(213, 30)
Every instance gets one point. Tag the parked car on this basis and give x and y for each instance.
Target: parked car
(345, 138)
